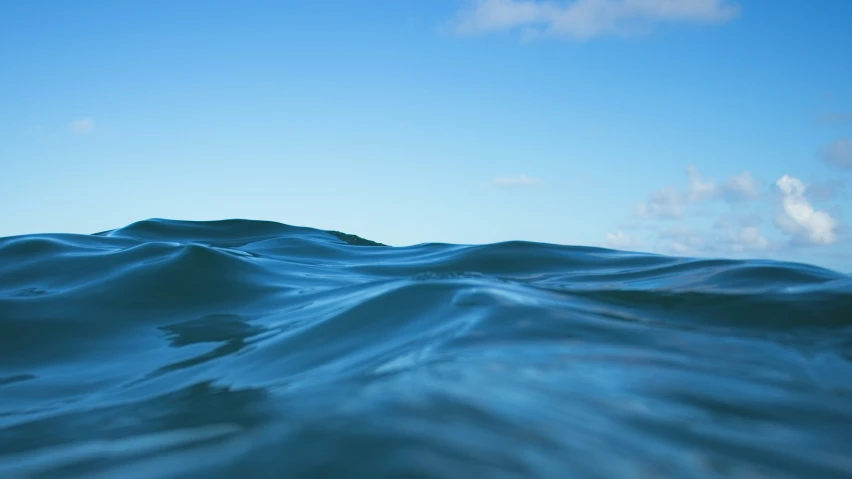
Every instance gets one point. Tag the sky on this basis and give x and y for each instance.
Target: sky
(713, 128)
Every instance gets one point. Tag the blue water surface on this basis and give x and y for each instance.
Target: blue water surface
(247, 349)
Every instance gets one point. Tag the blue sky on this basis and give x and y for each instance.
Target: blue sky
(689, 127)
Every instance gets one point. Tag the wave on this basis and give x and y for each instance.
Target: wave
(255, 349)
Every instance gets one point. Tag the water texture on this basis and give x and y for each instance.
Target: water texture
(253, 349)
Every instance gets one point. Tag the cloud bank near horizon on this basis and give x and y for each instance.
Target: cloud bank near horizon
(710, 217)
(584, 19)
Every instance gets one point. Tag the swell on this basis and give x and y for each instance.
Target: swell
(205, 349)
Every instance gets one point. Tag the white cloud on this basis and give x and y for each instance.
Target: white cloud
(82, 126)
(699, 188)
(665, 203)
(741, 187)
(798, 218)
(679, 248)
(516, 181)
(748, 239)
(683, 240)
(588, 18)
(693, 245)
(738, 230)
(736, 188)
(838, 153)
(722, 238)
(670, 203)
(622, 241)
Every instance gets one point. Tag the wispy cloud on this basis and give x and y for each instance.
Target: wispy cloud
(798, 218)
(741, 187)
(666, 203)
(748, 238)
(835, 118)
(723, 238)
(700, 188)
(736, 188)
(622, 241)
(581, 19)
(516, 181)
(681, 239)
(838, 153)
(827, 190)
(82, 126)
(672, 204)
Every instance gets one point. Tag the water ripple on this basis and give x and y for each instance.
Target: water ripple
(254, 349)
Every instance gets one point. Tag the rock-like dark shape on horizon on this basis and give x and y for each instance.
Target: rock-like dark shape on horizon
(354, 240)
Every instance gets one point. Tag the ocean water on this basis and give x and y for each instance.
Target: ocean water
(245, 349)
